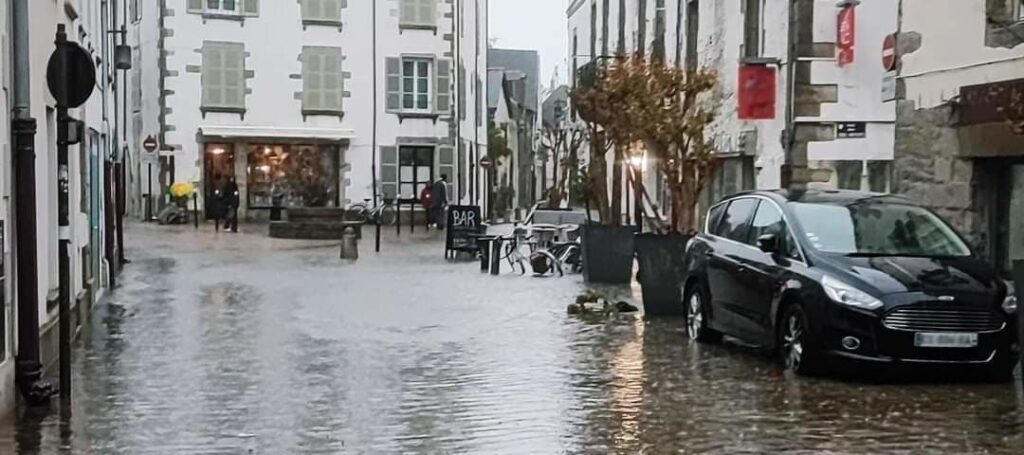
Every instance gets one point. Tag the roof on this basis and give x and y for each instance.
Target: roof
(837, 197)
(525, 63)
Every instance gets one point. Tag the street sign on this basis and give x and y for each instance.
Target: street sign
(889, 53)
(847, 38)
(889, 86)
(80, 76)
(486, 162)
(150, 144)
(851, 130)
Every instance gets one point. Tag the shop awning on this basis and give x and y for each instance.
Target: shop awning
(270, 132)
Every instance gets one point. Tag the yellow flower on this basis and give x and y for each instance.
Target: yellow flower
(182, 189)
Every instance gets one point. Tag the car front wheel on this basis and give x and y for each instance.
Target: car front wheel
(696, 317)
(797, 348)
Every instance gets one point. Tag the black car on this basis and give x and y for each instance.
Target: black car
(824, 275)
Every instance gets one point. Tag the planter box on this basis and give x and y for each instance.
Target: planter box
(660, 260)
(607, 254)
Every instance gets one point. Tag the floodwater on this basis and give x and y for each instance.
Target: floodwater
(225, 344)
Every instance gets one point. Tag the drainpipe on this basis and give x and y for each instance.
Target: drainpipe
(793, 164)
(29, 369)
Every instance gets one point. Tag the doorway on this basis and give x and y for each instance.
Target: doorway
(218, 167)
(1010, 215)
(415, 171)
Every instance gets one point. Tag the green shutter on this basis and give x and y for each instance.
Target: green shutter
(251, 7)
(234, 75)
(428, 12)
(389, 172)
(195, 6)
(310, 79)
(393, 87)
(211, 79)
(332, 10)
(408, 12)
(334, 86)
(443, 94)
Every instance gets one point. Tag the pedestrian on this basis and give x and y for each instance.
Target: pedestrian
(230, 196)
(427, 201)
(439, 195)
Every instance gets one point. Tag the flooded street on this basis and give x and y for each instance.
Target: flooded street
(224, 344)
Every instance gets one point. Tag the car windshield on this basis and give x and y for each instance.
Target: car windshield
(878, 229)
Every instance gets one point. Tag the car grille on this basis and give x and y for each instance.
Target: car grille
(924, 319)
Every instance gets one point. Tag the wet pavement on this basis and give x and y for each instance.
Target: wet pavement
(225, 344)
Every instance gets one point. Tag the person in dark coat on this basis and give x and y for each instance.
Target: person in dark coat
(439, 195)
(231, 200)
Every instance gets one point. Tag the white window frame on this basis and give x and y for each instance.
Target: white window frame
(417, 19)
(219, 9)
(416, 77)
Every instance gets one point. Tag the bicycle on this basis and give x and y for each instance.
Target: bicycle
(383, 214)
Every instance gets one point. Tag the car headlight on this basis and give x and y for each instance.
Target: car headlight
(848, 295)
(1010, 303)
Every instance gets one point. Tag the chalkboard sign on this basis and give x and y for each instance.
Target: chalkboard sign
(464, 224)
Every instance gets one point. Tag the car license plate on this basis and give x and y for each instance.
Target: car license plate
(946, 340)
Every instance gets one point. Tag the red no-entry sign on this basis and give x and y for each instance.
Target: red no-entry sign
(847, 38)
(150, 144)
(889, 53)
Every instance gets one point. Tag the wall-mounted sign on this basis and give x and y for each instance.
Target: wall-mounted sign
(851, 130)
(757, 87)
(889, 53)
(889, 86)
(847, 38)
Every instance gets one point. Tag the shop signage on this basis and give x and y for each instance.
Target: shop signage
(464, 224)
(847, 38)
(851, 130)
(757, 87)
(993, 102)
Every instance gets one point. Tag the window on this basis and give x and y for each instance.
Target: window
(223, 76)
(752, 19)
(1019, 10)
(322, 83)
(714, 217)
(849, 174)
(879, 176)
(415, 85)
(221, 7)
(692, 24)
(321, 11)
(136, 10)
(878, 229)
(418, 13)
(735, 224)
(415, 171)
(769, 221)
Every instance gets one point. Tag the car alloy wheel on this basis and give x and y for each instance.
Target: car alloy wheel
(793, 342)
(694, 316)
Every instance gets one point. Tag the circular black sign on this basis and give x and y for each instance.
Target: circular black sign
(81, 76)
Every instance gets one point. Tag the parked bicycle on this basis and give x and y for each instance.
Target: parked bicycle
(383, 214)
(546, 257)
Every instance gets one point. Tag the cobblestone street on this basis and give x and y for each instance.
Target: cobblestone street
(220, 343)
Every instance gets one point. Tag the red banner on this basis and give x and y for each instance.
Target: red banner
(847, 39)
(757, 89)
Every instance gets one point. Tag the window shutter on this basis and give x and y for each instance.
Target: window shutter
(428, 12)
(234, 76)
(389, 172)
(251, 7)
(333, 85)
(394, 84)
(407, 12)
(443, 95)
(195, 6)
(331, 10)
(446, 165)
(311, 83)
(211, 78)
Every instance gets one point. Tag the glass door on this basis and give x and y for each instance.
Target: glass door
(218, 167)
(415, 172)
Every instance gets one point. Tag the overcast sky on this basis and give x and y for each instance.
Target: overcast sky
(532, 24)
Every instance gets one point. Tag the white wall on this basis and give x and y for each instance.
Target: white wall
(7, 388)
(947, 61)
(275, 56)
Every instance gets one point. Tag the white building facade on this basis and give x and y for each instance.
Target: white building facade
(343, 101)
(725, 36)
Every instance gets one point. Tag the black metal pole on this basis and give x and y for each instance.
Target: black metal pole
(1018, 277)
(34, 390)
(195, 209)
(149, 194)
(63, 220)
(398, 217)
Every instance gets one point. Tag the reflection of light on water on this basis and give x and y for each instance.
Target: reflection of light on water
(628, 386)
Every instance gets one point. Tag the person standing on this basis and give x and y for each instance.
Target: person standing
(439, 196)
(231, 200)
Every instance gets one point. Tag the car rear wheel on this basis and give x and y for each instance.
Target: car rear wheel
(696, 317)
(797, 348)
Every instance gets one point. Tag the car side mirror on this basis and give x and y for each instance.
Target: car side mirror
(769, 243)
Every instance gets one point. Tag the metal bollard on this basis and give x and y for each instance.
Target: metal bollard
(1018, 277)
(349, 245)
(483, 245)
(495, 256)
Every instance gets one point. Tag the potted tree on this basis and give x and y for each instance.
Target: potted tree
(665, 111)
(607, 245)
